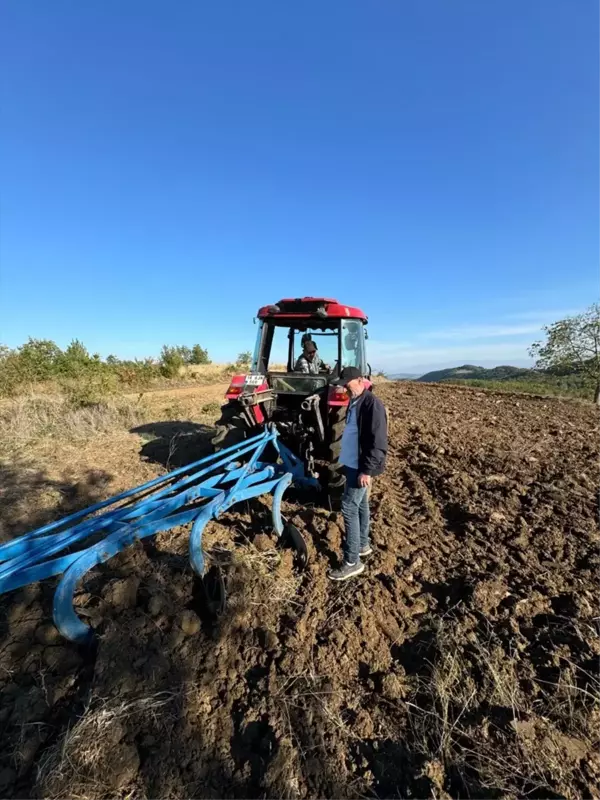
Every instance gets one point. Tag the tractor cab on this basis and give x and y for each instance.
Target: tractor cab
(308, 409)
(337, 331)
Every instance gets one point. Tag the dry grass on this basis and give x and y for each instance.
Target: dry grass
(31, 417)
(215, 373)
(90, 759)
(472, 716)
(209, 373)
(257, 579)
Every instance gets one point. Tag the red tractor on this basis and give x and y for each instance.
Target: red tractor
(308, 409)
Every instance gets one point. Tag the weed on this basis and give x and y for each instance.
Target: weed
(174, 411)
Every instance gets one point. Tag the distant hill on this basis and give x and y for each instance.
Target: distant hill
(407, 376)
(515, 379)
(472, 372)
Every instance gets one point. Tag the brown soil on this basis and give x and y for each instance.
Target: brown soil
(462, 663)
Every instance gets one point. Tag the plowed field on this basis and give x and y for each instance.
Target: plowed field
(463, 662)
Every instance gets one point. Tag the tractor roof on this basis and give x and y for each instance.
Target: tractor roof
(320, 308)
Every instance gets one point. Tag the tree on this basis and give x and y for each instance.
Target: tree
(77, 351)
(199, 355)
(244, 358)
(38, 359)
(171, 361)
(75, 360)
(573, 345)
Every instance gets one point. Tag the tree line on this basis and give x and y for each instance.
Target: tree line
(41, 360)
(571, 347)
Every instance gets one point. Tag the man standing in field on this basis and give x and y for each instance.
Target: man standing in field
(363, 453)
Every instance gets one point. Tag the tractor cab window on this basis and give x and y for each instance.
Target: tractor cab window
(271, 348)
(353, 345)
(326, 342)
(340, 343)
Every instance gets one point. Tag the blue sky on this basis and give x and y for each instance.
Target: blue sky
(166, 168)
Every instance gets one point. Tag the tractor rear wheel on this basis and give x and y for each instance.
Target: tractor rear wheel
(230, 429)
(337, 423)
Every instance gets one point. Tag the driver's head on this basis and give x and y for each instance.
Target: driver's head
(310, 348)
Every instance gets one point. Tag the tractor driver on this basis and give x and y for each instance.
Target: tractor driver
(309, 362)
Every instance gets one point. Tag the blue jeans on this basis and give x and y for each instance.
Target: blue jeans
(355, 510)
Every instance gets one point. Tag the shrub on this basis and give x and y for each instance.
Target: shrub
(36, 360)
(171, 361)
(244, 359)
(89, 388)
(199, 355)
(76, 359)
(41, 360)
(137, 374)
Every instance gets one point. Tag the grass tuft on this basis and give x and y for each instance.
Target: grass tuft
(90, 759)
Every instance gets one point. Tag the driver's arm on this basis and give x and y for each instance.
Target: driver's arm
(322, 366)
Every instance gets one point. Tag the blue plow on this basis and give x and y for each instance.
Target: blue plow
(194, 493)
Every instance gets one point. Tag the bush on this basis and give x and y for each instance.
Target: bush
(90, 388)
(244, 359)
(85, 377)
(199, 355)
(137, 374)
(34, 361)
(76, 360)
(172, 359)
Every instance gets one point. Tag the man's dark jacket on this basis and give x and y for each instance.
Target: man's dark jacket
(371, 418)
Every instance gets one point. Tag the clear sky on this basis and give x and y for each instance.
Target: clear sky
(167, 167)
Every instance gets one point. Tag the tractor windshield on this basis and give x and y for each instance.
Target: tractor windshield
(298, 384)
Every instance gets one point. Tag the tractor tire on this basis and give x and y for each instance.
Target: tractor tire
(337, 423)
(230, 429)
(226, 436)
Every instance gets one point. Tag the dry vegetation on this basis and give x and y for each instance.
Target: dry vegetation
(28, 418)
